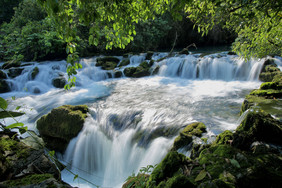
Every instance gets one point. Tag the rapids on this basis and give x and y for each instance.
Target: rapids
(132, 122)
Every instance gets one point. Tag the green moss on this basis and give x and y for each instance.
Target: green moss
(257, 126)
(34, 73)
(167, 168)
(10, 64)
(179, 181)
(28, 180)
(124, 62)
(195, 129)
(272, 93)
(185, 136)
(8, 144)
(268, 85)
(224, 138)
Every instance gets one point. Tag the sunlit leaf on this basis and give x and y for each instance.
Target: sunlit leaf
(14, 125)
(3, 103)
(201, 175)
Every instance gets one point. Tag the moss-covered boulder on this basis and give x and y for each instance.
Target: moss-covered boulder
(10, 64)
(117, 74)
(257, 126)
(4, 87)
(14, 72)
(3, 75)
(107, 63)
(268, 73)
(185, 136)
(34, 73)
(124, 62)
(17, 159)
(61, 125)
(23, 166)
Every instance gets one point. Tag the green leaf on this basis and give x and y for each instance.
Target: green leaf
(18, 107)
(235, 163)
(75, 177)
(14, 125)
(7, 114)
(201, 175)
(3, 103)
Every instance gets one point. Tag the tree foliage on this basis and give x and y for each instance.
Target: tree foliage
(258, 23)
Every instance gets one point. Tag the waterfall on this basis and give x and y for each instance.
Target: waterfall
(212, 67)
(132, 122)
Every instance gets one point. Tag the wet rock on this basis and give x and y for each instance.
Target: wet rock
(107, 63)
(269, 72)
(4, 87)
(185, 136)
(14, 72)
(59, 82)
(34, 73)
(224, 138)
(149, 55)
(10, 64)
(124, 62)
(231, 53)
(62, 124)
(118, 74)
(3, 75)
(257, 126)
(36, 90)
(20, 159)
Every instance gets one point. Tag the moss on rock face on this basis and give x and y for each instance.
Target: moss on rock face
(268, 73)
(61, 125)
(224, 138)
(124, 62)
(28, 180)
(185, 136)
(4, 87)
(107, 63)
(167, 168)
(257, 126)
(34, 73)
(10, 64)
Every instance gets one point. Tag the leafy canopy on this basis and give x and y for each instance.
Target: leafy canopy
(257, 22)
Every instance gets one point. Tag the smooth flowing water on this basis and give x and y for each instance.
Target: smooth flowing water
(132, 122)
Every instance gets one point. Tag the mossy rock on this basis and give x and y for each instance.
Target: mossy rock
(268, 93)
(117, 74)
(178, 181)
(61, 125)
(4, 87)
(137, 72)
(14, 72)
(268, 73)
(10, 64)
(3, 75)
(185, 136)
(172, 162)
(156, 70)
(257, 126)
(136, 181)
(124, 62)
(107, 63)
(149, 55)
(34, 73)
(224, 138)
(28, 180)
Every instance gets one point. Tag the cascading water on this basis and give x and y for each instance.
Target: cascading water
(132, 122)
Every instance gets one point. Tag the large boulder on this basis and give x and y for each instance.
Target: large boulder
(21, 165)
(137, 72)
(61, 125)
(257, 126)
(14, 72)
(268, 73)
(59, 82)
(107, 63)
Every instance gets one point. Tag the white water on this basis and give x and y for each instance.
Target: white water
(132, 122)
